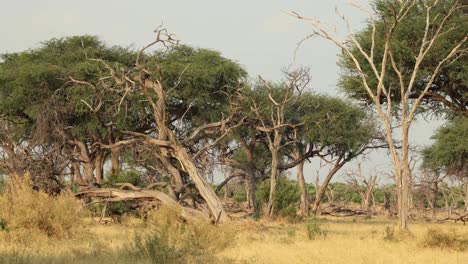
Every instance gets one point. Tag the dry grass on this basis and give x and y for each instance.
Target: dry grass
(26, 210)
(346, 241)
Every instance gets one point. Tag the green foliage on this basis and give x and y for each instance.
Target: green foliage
(240, 196)
(448, 240)
(130, 176)
(450, 85)
(344, 193)
(314, 229)
(449, 152)
(287, 196)
(201, 94)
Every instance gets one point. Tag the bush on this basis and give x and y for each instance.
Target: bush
(133, 177)
(449, 240)
(314, 229)
(390, 234)
(173, 241)
(21, 207)
(287, 196)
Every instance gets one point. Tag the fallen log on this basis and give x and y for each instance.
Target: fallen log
(138, 194)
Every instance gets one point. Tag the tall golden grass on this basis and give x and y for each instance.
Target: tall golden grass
(24, 209)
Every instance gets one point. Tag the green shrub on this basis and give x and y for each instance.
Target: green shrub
(314, 229)
(133, 177)
(157, 249)
(448, 240)
(240, 196)
(287, 196)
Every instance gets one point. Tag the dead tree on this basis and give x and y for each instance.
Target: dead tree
(407, 77)
(362, 185)
(274, 123)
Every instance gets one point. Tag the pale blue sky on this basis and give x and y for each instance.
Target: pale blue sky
(260, 34)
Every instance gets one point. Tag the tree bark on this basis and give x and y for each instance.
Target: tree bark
(99, 166)
(250, 188)
(323, 188)
(208, 194)
(273, 178)
(115, 160)
(466, 194)
(116, 195)
(304, 205)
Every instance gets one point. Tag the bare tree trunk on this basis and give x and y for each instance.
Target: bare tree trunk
(323, 188)
(304, 206)
(99, 166)
(115, 160)
(466, 194)
(212, 200)
(273, 178)
(250, 187)
(404, 197)
(76, 171)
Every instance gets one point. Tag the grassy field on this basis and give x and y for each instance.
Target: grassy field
(339, 241)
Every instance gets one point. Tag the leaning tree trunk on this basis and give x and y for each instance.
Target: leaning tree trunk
(323, 188)
(214, 203)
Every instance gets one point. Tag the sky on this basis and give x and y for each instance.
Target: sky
(258, 34)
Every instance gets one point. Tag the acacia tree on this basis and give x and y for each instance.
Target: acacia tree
(270, 110)
(45, 114)
(373, 55)
(171, 137)
(448, 155)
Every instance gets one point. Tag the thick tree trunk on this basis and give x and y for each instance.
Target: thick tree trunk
(99, 166)
(116, 195)
(88, 171)
(250, 188)
(304, 205)
(273, 179)
(77, 174)
(208, 194)
(115, 160)
(405, 175)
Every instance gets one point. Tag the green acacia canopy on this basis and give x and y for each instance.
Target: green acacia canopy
(36, 89)
(449, 152)
(35, 84)
(449, 90)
